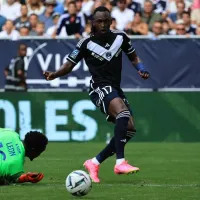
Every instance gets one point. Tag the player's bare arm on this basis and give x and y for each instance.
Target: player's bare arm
(137, 63)
(65, 69)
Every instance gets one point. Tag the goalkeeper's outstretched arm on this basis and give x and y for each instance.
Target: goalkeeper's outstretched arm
(30, 177)
(21, 178)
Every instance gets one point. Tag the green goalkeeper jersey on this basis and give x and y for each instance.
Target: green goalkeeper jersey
(12, 156)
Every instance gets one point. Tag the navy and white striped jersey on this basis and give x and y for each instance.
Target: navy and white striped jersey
(73, 24)
(160, 6)
(135, 6)
(103, 56)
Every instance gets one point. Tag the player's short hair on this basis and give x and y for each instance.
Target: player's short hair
(98, 9)
(101, 9)
(35, 141)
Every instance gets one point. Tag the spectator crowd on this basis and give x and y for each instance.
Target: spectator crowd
(51, 18)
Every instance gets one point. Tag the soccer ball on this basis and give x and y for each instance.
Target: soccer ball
(78, 183)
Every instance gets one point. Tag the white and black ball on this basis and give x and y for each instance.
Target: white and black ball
(78, 183)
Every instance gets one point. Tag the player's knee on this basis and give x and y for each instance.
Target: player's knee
(122, 120)
(131, 127)
(125, 114)
(131, 131)
(116, 107)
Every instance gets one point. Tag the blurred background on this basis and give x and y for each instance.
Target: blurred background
(38, 35)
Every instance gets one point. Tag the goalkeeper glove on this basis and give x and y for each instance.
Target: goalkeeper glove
(30, 177)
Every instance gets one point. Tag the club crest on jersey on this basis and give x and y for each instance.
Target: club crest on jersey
(108, 55)
(74, 54)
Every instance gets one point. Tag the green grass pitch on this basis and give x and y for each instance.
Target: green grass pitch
(169, 171)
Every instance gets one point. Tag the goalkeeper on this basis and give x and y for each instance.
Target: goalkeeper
(13, 152)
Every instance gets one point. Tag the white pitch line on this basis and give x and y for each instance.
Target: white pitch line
(171, 185)
(138, 185)
(152, 185)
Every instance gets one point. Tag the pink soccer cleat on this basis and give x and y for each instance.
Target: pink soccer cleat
(125, 168)
(93, 170)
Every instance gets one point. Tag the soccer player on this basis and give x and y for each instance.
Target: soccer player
(13, 152)
(102, 51)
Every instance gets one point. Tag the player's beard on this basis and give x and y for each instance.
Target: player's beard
(103, 33)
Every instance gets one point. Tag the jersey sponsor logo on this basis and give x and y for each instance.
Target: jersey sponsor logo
(101, 51)
(74, 53)
(97, 56)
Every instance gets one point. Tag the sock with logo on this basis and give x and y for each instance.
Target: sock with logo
(120, 133)
(110, 149)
